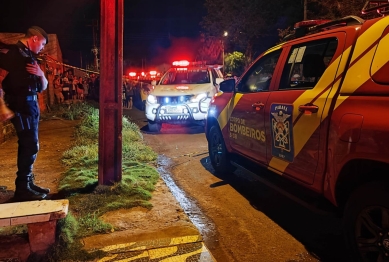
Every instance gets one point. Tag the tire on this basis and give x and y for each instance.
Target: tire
(366, 223)
(154, 126)
(220, 158)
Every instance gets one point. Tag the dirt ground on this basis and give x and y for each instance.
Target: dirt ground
(165, 219)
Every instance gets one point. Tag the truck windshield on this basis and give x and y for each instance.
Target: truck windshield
(186, 76)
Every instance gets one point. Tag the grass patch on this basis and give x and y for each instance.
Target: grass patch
(72, 111)
(13, 230)
(88, 200)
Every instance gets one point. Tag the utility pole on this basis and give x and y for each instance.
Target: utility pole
(305, 9)
(111, 75)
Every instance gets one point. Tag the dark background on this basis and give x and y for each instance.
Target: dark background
(149, 25)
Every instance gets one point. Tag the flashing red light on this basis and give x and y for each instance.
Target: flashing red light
(143, 73)
(153, 73)
(308, 23)
(132, 74)
(182, 87)
(182, 69)
(181, 63)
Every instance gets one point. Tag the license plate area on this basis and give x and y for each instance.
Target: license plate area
(173, 110)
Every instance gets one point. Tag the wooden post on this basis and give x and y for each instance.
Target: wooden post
(111, 73)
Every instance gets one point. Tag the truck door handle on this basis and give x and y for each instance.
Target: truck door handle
(308, 109)
(258, 106)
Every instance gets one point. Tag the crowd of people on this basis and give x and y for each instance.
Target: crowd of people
(70, 87)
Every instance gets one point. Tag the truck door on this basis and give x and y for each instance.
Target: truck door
(246, 123)
(296, 109)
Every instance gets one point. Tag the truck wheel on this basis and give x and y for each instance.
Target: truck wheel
(154, 126)
(366, 223)
(220, 158)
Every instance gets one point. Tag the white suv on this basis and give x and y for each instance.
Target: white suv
(183, 94)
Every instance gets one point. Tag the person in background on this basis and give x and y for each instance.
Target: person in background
(86, 88)
(129, 94)
(125, 102)
(66, 85)
(80, 89)
(25, 79)
(74, 84)
(58, 89)
(71, 85)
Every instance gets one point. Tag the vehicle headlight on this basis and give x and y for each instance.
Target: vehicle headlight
(152, 99)
(212, 110)
(198, 98)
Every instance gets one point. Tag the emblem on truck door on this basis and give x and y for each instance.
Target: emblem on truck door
(282, 131)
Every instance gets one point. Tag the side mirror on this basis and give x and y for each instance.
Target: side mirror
(153, 82)
(227, 86)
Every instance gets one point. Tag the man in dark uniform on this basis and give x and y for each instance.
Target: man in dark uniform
(24, 79)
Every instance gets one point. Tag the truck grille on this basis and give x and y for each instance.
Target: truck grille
(173, 100)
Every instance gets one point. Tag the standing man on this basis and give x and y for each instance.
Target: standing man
(24, 80)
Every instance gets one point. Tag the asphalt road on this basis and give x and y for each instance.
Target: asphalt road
(240, 218)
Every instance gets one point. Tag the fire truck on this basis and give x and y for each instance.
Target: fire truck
(308, 118)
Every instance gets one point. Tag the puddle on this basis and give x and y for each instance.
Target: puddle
(204, 225)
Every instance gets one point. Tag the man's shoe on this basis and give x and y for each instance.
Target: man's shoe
(27, 194)
(23, 191)
(37, 188)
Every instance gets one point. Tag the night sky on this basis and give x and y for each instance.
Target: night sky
(149, 25)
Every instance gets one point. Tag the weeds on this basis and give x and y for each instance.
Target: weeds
(71, 111)
(88, 200)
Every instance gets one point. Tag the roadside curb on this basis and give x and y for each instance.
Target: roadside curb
(186, 248)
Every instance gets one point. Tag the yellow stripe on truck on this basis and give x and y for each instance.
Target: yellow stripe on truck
(226, 112)
(357, 74)
(306, 126)
(380, 59)
(372, 34)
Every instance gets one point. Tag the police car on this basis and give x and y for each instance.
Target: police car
(312, 110)
(183, 94)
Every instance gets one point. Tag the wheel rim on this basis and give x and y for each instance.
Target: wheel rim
(216, 149)
(372, 234)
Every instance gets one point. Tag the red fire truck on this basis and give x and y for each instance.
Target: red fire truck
(312, 110)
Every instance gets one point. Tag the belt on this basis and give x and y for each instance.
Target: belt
(32, 98)
(21, 98)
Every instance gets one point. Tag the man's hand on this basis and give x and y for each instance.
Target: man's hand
(35, 69)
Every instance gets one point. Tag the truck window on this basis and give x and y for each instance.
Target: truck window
(259, 76)
(306, 63)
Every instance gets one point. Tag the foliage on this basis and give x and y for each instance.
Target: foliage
(73, 111)
(253, 25)
(235, 63)
(333, 9)
(247, 22)
(67, 248)
(88, 200)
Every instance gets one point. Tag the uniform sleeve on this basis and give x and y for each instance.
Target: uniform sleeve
(4, 59)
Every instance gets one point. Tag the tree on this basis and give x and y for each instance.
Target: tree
(249, 23)
(334, 9)
(235, 63)
(241, 19)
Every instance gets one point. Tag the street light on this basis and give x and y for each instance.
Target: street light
(225, 34)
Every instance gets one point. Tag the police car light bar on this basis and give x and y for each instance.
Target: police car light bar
(181, 63)
(187, 63)
(379, 6)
